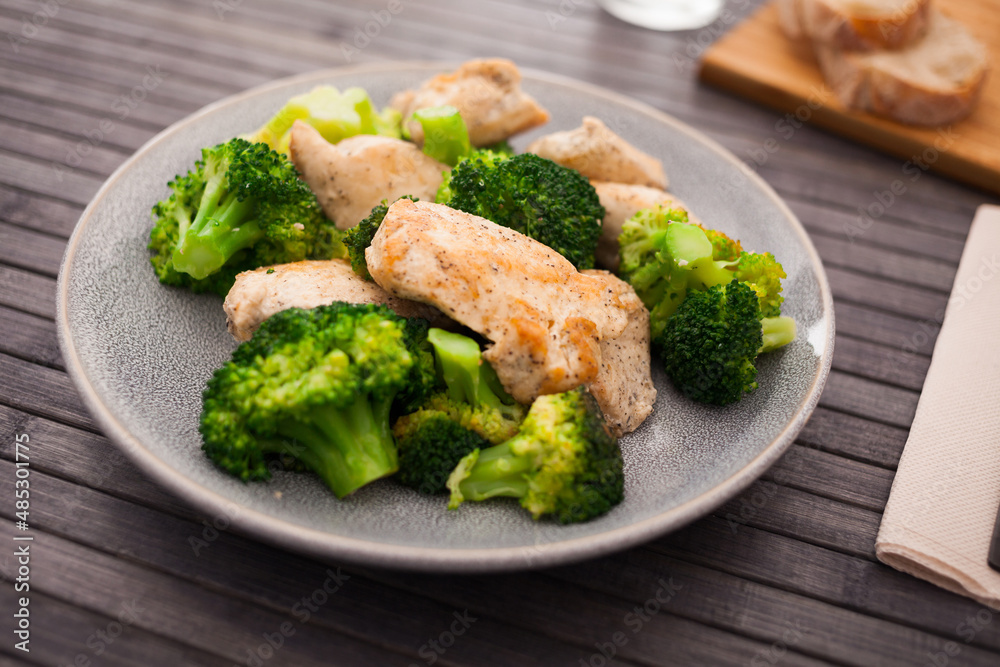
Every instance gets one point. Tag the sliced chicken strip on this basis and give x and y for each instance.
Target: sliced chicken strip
(351, 177)
(488, 95)
(598, 153)
(260, 293)
(621, 201)
(624, 386)
(545, 319)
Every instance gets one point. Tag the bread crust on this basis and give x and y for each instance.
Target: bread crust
(852, 27)
(900, 85)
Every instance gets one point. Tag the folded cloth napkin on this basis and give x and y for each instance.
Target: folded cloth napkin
(938, 522)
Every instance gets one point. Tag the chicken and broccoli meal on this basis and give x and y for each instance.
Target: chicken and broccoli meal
(416, 300)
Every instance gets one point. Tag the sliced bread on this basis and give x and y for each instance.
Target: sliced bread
(855, 25)
(935, 81)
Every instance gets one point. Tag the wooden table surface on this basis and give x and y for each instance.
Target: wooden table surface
(783, 574)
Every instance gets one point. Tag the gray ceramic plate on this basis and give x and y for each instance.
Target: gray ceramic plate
(140, 354)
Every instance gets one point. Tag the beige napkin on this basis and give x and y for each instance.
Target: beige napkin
(938, 522)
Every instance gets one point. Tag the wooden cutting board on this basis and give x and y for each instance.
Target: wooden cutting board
(757, 61)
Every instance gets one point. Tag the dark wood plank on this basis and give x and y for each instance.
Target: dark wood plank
(27, 249)
(252, 572)
(27, 291)
(889, 364)
(806, 517)
(738, 605)
(887, 295)
(95, 47)
(834, 477)
(116, 134)
(65, 635)
(45, 215)
(53, 179)
(888, 233)
(87, 459)
(914, 335)
(186, 612)
(43, 391)
(854, 437)
(870, 588)
(73, 153)
(866, 398)
(42, 86)
(884, 263)
(29, 337)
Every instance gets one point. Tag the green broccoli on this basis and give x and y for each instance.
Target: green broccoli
(710, 344)
(562, 463)
(317, 384)
(537, 197)
(358, 238)
(431, 444)
(446, 138)
(335, 114)
(242, 207)
(470, 410)
(664, 257)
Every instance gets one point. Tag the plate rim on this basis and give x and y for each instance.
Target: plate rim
(325, 545)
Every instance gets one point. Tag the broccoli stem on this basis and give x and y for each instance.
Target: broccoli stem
(446, 138)
(494, 471)
(468, 378)
(777, 332)
(213, 238)
(347, 447)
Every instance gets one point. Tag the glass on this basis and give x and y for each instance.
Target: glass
(664, 14)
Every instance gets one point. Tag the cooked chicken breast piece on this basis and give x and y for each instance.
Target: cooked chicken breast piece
(488, 95)
(260, 293)
(546, 320)
(356, 174)
(624, 386)
(621, 201)
(600, 154)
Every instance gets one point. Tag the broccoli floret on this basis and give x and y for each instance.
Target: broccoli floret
(470, 411)
(723, 247)
(471, 394)
(431, 444)
(537, 197)
(358, 238)
(242, 207)
(763, 273)
(486, 156)
(562, 463)
(499, 148)
(335, 114)
(710, 344)
(319, 385)
(664, 258)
